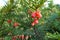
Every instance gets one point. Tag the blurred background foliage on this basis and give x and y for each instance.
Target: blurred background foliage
(17, 11)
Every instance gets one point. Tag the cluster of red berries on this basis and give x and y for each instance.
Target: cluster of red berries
(36, 15)
(15, 23)
(22, 37)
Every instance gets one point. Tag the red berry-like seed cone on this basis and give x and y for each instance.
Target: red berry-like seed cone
(22, 36)
(16, 24)
(33, 15)
(9, 21)
(27, 37)
(33, 24)
(36, 21)
(14, 38)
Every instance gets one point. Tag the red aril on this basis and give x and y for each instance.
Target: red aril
(33, 24)
(38, 14)
(16, 24)
(22, 36)
(36, 21)
(14, 38)
(33, 15)
(27, 37)
(19, 36)
(9, 21)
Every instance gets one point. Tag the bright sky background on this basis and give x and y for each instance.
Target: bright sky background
(3, 2)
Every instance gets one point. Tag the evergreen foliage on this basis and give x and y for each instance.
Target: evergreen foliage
(15, 20)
